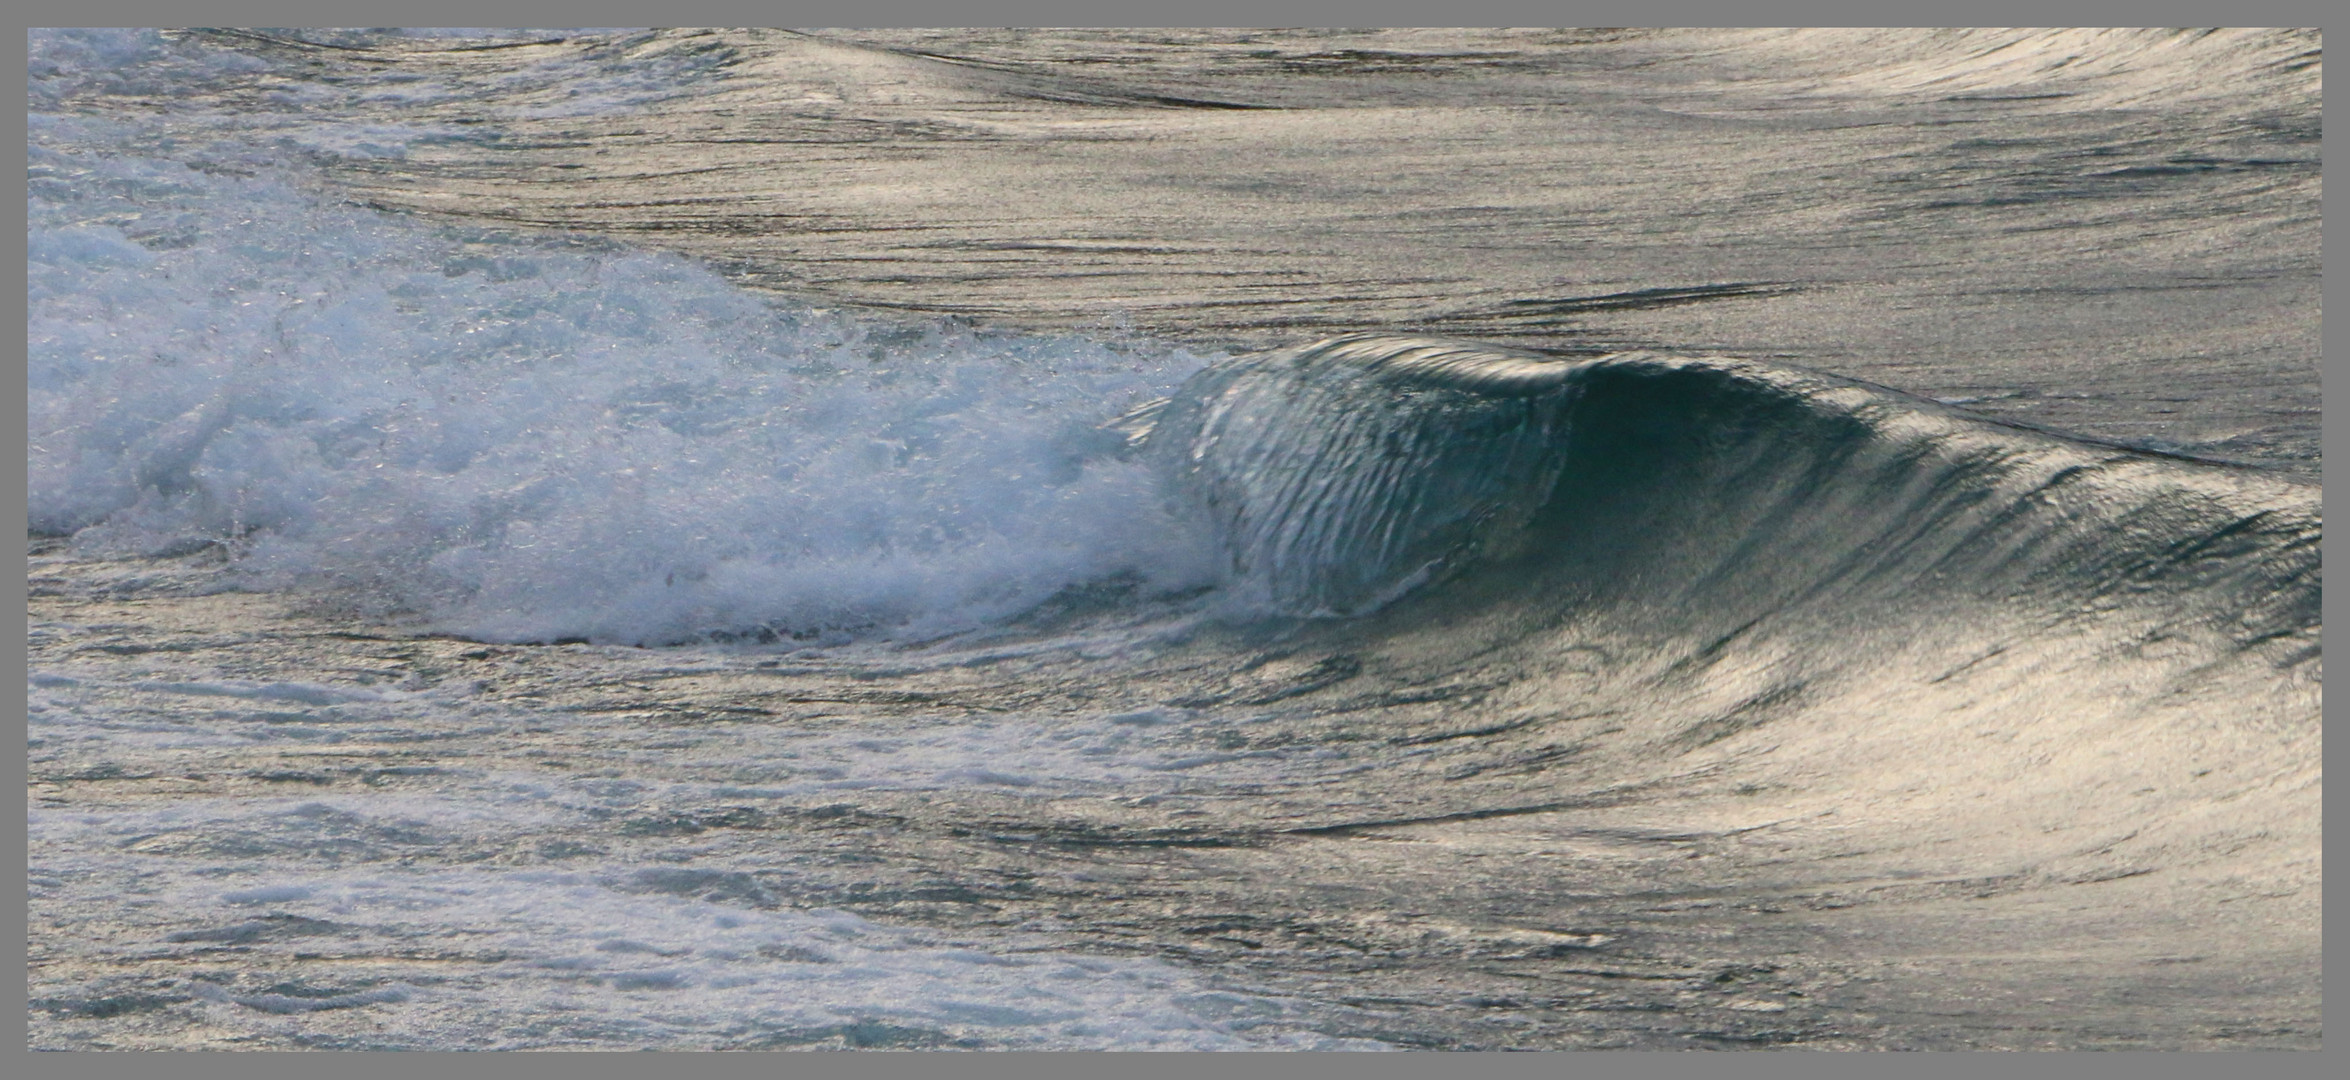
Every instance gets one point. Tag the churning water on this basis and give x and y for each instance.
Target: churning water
(1186, 539)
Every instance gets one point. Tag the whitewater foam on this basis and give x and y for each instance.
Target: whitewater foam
(530, 441)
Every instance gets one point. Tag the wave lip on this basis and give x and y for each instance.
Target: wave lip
(1341, 473)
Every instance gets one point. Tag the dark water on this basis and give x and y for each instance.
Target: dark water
(1808, 538)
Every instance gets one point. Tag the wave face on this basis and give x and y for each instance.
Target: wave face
(1911, 644)
(1342, 471)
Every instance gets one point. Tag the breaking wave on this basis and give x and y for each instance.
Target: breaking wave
(1340, 473)
(534, 441)
(527, 440)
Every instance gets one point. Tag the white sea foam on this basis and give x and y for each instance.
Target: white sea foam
(533, 442)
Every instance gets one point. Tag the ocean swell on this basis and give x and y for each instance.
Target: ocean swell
(1726, 493)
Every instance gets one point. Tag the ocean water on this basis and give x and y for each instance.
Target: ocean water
(1192, 539)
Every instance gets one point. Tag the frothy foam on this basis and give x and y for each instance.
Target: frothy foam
(539, 441)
